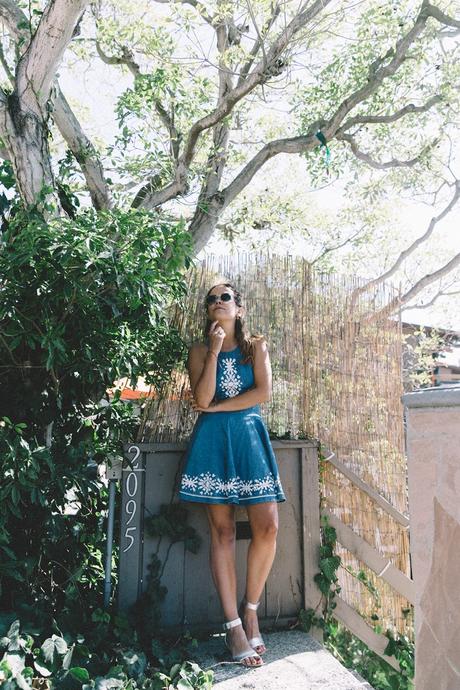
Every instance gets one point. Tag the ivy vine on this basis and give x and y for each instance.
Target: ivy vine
(346, 647)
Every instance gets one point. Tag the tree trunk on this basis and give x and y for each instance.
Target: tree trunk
(27, 144)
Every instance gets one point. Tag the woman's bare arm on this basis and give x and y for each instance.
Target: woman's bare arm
(202, 370)
(261, 391)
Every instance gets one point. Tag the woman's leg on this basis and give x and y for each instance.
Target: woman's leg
(263, 518)
(222, 559)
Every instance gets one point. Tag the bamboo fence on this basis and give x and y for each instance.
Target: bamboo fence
(337, 377)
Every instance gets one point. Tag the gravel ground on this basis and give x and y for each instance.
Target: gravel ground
(293, 661)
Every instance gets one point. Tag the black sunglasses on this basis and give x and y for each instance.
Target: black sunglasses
(224, 297)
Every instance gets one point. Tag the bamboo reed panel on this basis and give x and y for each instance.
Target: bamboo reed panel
(337, 377)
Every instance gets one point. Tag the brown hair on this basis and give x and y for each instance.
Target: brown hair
(243, 338)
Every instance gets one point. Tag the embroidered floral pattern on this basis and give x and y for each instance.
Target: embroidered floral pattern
(230, 383)
(210, 485)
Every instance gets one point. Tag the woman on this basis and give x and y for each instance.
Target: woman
(230, 460)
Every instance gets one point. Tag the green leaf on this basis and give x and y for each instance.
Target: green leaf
(184, 684)
(79, 673)
(42, 668)
(48, 649)
(329, 567)
(60, 644)
(68, 658)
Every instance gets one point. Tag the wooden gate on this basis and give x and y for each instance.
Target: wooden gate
(149, 480)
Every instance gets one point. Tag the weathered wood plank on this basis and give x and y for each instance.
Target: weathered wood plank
(372, 558)
(311, 534)
(358, 626)
(284, 588)
(374, 495)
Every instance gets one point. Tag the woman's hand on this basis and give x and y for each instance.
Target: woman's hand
(216, 337)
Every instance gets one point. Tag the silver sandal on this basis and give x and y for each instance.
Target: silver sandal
(249, 653)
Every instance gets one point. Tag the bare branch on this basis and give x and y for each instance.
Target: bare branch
(84, 152)
(201, 231)
(421, 284)
(440, 293)
(258, 44)
(334, 248)
(441, 16)
(378, 165)
(378, 119)
(423, 238)
(38, 65)
(126, 58)
(227, 35)
(382, 68)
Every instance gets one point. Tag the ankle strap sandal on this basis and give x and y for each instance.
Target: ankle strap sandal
(247, 653)
(254, 641)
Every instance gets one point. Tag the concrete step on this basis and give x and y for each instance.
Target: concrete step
(293, 661)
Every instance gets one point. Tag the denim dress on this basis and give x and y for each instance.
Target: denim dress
(230, 458)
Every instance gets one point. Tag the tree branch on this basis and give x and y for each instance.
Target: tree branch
(193, 3)
(382, 68)
(258, 44)
(227, 35)
(378, 119)
(407, 252)
(267, 68)
(37, 67)
(202, 230)
(127, 58)
(12, 17)
(441, 16)
(378, 165)
(334, 248)
(6, 67)
(440, 293)
(84, 152)
(421, 284)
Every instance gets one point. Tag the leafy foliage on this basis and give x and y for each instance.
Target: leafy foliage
(66, 662)
(83, 303)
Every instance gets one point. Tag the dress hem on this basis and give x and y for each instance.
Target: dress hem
(235, 500)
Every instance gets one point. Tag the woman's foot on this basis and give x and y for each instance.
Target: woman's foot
(251, 626)
(239, 647)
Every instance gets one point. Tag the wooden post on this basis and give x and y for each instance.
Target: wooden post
(132, 527)
(311, 529)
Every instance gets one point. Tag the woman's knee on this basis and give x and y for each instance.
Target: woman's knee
(223, 532)
(266, 529)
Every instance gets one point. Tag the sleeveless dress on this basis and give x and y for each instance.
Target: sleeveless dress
(230, 458)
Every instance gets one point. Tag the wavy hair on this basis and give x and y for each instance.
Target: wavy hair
(243, 338)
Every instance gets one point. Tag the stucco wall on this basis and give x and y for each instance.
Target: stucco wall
(433, 444)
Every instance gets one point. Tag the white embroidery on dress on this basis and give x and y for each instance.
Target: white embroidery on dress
(230, 383)
(209, 485)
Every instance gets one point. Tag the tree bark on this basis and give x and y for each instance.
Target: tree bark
(24, 113)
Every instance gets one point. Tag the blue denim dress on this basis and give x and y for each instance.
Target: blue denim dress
(230, 458)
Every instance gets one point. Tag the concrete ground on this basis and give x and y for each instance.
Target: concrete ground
(293, 661)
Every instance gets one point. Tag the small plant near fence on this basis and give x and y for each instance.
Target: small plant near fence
(346, 647)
